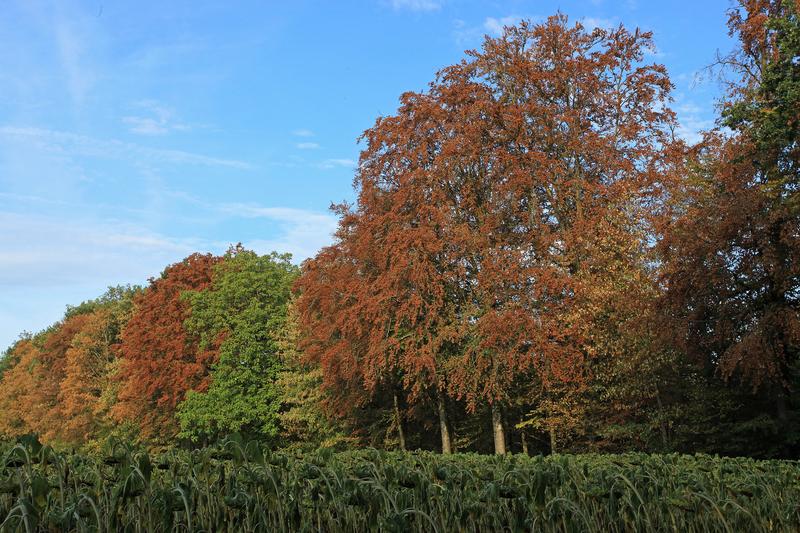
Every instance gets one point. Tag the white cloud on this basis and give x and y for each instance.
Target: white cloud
(464, 34)
(145, 126)
(692, 120)
(307, 146)
(54, 260)
(467, 35)
(48, 261)
(38, 250)
(333, 163)
(591, 23)
(494, 26)
(71, 143)
(417, 5)
(160, 120)
(71, 42)
(301, 232)
(654, 52)
(302, 132)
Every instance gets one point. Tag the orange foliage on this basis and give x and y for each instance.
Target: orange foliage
(479, 205)
(17, 388)
(160, 362)
(84, 394)
(731, 261)
(30, 389)
(731, 244)
(732, 239)
(748, 23)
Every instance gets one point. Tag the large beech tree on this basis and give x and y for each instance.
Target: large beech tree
(160, 360)
(480, 206)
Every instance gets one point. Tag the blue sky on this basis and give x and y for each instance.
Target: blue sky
(134, 133)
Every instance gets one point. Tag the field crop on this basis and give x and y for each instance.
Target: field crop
(238, 487)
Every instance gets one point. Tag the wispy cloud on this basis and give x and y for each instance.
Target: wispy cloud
(591, 23)
(654, 52)
(37, 250)
(494, 26)
(48, 250)
(49, 260)
(301, 232)
(417, 5)
(145, 125)
(307, 146)
(302, 132)
(159, 120)
(72, 143)
(469, 35)
(333, 163)
(72, 49)
(692, 120)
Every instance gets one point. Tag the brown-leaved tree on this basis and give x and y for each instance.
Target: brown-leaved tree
(731, 246)
(480, 205)
(160, 361)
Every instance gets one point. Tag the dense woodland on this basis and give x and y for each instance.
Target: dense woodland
(535, 263)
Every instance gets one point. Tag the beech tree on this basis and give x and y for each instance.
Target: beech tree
(732, 238)
(458, 269)
(160, 360)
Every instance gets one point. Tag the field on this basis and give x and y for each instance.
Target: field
(238, 487)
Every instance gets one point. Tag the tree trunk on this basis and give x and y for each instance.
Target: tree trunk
(780, 405)
(498, 430)
(661, 423)
(401, 435)
(552, 441)
(447, 444)
(524, 442)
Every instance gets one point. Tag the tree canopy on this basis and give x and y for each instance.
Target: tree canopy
(731, 245)
(533, 263)
(244, 306)
(160, 360)
(484, 205)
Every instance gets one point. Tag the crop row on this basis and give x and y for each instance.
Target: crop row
(238, 487)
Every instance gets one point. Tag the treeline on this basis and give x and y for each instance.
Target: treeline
(535, 263)
(202, 351)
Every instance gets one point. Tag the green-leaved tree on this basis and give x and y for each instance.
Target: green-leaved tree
(244, 311)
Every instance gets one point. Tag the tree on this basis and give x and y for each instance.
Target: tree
(17, 388)
(160, 360)
(87, 391)
(10, 357)
(55, 382)
(731, 245)
(478, 202)
(29, 390)
(304, 420)
(243, 311)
